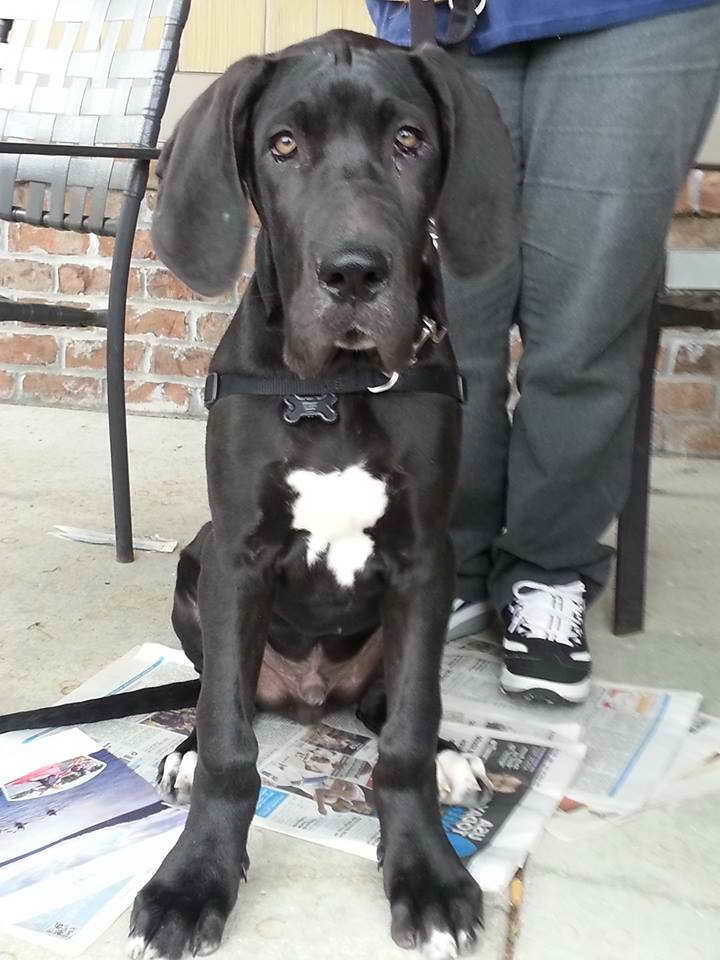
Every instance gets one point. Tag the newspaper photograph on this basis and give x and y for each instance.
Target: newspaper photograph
(632, 733)
(75, 823)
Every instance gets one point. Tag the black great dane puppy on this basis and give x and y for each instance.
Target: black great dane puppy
(326, 574)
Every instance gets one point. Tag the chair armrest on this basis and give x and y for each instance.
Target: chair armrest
(80, 150)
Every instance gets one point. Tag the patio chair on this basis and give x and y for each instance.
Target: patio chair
(699, 307)
(84, 87)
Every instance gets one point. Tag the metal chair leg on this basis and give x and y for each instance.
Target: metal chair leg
(116, 362)
(632, 536)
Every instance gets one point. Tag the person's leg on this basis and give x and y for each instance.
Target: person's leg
(611, 122)
(480, 316)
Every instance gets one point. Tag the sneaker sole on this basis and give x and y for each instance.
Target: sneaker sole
(547, 691)
(475, 621)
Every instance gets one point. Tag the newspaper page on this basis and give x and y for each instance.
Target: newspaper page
(140, 741)
(695, 772)
(328, 766)
(75, 823)
(632, 733)
(318, 787)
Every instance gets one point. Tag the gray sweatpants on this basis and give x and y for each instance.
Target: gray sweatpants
(605, 126)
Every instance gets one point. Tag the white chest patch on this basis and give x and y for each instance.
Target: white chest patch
(337, 509)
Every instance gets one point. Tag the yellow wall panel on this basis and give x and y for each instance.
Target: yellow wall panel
(218, 32)
(349, 14)
(288, 21)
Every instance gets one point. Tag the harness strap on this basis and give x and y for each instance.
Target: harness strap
(426, 379)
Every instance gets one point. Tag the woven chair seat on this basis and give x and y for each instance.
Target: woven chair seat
(90, 72)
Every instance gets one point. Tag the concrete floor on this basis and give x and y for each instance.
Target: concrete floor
(648, 889)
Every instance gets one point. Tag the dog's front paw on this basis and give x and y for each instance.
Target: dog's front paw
(435, 905)
(171, 920)
(175, 777)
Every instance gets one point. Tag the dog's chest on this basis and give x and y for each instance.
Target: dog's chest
(338, 510)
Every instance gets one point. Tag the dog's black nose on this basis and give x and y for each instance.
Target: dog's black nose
(354, 274)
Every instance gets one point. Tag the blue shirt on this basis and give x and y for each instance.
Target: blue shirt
(510, 21)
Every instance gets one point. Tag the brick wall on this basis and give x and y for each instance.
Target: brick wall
(171, 332)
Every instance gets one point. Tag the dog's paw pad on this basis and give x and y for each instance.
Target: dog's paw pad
(461, 779)
(175, 778)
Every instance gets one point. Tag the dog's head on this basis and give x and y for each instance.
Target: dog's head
(346, 146)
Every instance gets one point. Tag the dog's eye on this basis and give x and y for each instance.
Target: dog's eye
(408, 139)
(283, 145)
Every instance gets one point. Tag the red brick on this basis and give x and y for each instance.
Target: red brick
(163, 323)
(28, 348)
(181, 361)
(680, 397)
(700, 439)
(75, 278)
(158, 397)
(57, 388)
(694, 232)
(710, 193)
(682, 201)
(25, 238)
(25, 275)
(661, 358)
(165, 286)
(698, 358)
(211, 326)
(91, 354)
(8, 382)
(142, 246)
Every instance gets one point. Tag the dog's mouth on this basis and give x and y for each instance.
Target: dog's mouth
(356, 339)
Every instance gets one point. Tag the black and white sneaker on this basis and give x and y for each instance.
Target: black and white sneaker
(546, 656)
(468, 617)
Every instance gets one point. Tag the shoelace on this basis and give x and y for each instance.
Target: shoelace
(545, 612)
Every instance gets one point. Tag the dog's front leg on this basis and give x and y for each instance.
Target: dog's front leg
(185, 905)
(434, 902)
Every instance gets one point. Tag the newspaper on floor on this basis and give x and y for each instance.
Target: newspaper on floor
(632, 732)
(155, 542)
(695, 772)
(80, 833)
(317, 781)
(318, 786)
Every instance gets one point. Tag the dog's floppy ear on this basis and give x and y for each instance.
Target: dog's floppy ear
(476, 211)
(200, 225)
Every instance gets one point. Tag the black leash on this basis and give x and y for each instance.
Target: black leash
(463, 17)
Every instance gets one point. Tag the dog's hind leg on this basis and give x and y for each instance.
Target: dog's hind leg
(461, 777)
(177, 771)
(186, 612)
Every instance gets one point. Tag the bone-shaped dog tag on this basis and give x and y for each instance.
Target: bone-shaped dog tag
(322, 406)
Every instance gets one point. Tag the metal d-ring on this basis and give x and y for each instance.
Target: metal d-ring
(391, 381)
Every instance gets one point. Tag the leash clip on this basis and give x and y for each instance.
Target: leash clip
(430, 331)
